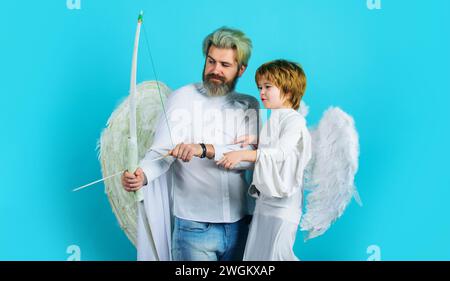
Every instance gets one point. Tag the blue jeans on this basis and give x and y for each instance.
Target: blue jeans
(204, 241)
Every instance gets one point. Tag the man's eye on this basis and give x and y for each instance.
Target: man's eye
(210, 61)
(225, 65)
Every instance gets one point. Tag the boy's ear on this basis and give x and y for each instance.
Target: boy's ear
(242, 70)
(287, 97)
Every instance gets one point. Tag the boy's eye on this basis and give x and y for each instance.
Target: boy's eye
(259, 88)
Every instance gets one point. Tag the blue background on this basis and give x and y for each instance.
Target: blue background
(64, 71)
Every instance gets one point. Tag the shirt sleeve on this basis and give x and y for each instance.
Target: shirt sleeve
(162, 143)
(249, 126)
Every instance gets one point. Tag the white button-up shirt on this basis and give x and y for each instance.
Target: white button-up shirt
(203, 191)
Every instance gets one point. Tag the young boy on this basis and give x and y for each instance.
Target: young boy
(283, 152)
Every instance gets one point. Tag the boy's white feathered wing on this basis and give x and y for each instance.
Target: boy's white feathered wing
(113, 149)
(331, 171)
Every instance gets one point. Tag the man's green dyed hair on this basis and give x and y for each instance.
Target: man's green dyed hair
(228, 38)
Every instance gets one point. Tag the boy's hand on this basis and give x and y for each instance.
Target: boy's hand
(230, 159)
(246, 140)
(133, 182)
(186, 152)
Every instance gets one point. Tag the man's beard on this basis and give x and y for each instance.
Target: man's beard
(218, 89)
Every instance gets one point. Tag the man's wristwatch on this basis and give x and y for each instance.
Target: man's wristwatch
(204, 150)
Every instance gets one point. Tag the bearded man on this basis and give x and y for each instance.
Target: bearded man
(202, 122)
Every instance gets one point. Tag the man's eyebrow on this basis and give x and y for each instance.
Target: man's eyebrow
(225, 62)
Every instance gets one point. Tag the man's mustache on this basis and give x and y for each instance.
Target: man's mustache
(214, 76)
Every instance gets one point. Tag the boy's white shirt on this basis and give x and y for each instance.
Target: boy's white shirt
(283, 153)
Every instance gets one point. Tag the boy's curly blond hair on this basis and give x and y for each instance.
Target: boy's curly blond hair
(288, 76)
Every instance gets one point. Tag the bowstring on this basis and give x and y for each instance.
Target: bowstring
(172, 190)
(157, 83)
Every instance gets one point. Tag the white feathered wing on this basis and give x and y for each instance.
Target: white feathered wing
(330, 173)
(113, 149)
